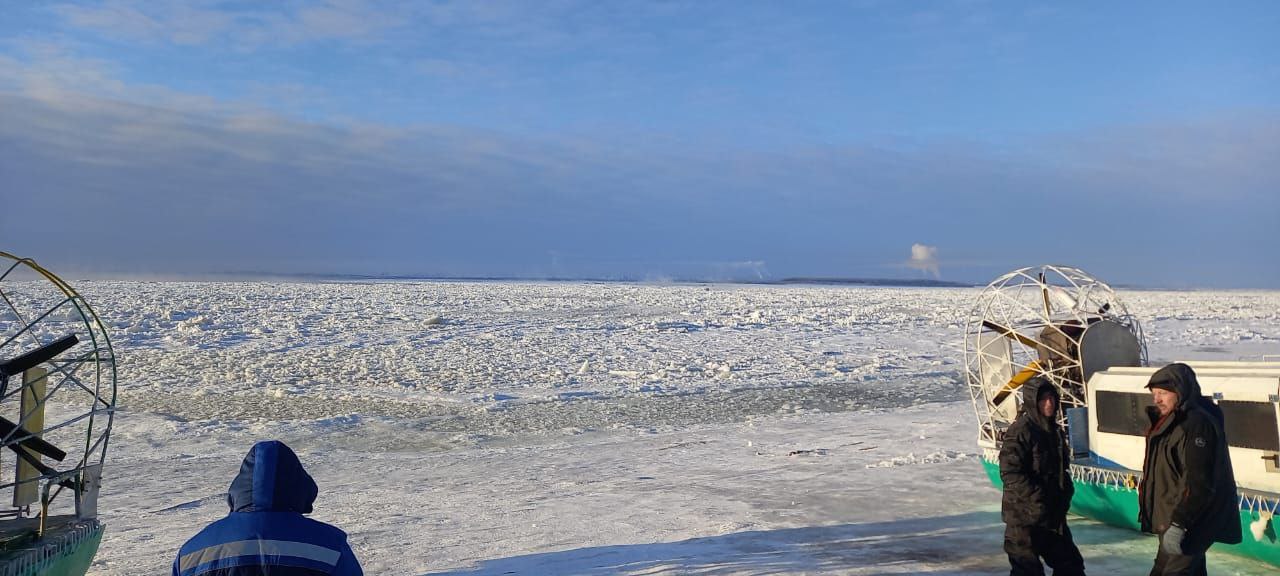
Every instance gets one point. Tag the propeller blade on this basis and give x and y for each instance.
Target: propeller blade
(1021, 338)
(38, 356)
(1010, 333)
(1044, 295)
(28, 441)
(45, 469)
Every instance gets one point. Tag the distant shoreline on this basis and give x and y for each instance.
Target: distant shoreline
(901, 282)
(789, 281)
(313, 277)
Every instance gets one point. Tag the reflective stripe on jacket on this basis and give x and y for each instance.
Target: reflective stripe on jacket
(266, 532)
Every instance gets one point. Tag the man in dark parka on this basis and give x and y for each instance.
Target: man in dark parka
(1034, 467)
(1188, 490)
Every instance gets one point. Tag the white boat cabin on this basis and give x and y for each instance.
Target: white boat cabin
(1247, 392)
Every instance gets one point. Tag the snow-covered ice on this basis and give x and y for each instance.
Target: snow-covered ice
(586, 428)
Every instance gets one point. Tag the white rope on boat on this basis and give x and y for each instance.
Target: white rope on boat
(1251, 501)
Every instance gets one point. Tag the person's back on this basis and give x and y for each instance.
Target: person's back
(266, 532)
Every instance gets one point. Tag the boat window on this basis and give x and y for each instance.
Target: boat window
(1122, 412)
(1251, 424)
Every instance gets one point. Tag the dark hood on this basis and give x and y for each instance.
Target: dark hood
(1181, 379)
(272, 479)
(1031, 400)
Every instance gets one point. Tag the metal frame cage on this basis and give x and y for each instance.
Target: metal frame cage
(1030, 322)
(57, 393)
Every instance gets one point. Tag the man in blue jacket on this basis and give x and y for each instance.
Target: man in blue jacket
(266, 532)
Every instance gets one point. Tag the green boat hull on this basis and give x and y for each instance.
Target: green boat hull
(68, 554)
(1116, 504)
(75, 562)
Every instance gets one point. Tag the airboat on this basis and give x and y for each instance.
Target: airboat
(1062, 324)
(57, 401)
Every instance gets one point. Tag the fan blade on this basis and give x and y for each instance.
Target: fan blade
(1010, 333)
(1021, 338)
(29, 441)
(1016, 382)
(45, 469)
(1044, 295)
(38, 356)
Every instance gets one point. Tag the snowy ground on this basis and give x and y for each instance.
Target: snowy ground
(562, 428)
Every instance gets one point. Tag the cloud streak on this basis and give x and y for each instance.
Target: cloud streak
(205, 22)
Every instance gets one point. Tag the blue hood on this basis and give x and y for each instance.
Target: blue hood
(272, 479)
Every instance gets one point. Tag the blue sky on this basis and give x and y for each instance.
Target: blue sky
(644, 140)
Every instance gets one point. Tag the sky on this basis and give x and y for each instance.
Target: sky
(644, 140)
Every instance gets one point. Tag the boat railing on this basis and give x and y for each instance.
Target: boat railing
(1265, 504)
(83, 482)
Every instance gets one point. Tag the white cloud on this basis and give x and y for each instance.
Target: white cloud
(179, 23)
(924, 258)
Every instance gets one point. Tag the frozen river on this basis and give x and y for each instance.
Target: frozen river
(581, 428)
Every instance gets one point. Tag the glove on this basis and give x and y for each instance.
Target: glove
(1171, 540)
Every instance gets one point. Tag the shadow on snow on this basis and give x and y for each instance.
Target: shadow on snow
(962, 544)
